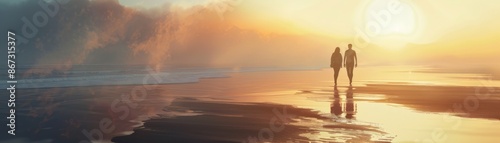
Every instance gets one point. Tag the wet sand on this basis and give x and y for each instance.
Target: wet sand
(383, 105)
(370, 111)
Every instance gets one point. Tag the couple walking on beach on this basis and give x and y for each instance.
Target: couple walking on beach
(350, 61)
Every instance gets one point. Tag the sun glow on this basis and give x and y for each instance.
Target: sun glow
(389, 23)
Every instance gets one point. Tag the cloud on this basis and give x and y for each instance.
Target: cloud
(107, 33)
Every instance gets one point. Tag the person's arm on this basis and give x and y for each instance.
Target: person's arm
(356, 58)
(331, 60)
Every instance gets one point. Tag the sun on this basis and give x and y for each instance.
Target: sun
(386, 17)
(389, 20)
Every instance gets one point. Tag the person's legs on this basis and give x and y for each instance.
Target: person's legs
(336, 74)
(350, 68)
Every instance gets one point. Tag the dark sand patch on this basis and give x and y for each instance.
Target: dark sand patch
(232, 122)
(458, 100)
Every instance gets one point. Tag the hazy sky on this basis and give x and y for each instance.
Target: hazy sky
(331, 14)
(155, 3)
(424, 29)
(418, 22)
(278, 32)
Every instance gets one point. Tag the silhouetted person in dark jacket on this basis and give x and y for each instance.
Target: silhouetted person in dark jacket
(336, 63)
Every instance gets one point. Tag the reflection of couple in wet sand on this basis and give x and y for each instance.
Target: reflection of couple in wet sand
(350, 61)
(349, 107)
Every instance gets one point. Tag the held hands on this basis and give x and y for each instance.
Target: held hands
(356, 65)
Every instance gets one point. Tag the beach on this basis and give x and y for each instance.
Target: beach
(384, 104)
(255, 71)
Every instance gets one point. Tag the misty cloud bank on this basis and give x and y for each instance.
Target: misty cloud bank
(56, 35)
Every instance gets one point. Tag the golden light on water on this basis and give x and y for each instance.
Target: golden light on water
(400, 122)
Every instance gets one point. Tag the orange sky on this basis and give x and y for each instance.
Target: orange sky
(280, 32)
(424, 22)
